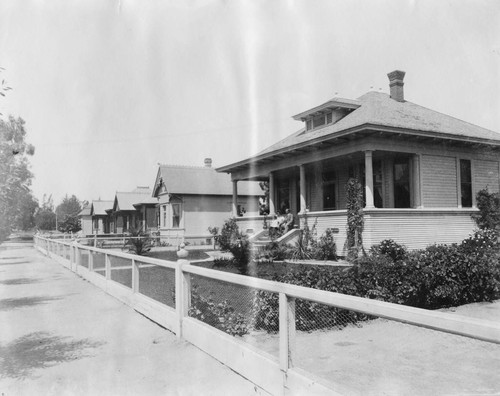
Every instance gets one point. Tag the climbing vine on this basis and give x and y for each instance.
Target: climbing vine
(355, 219)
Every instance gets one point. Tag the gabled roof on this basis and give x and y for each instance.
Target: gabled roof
(378, 110)
(85, 211)
(126, 200)
(195, 180)
(98, 208)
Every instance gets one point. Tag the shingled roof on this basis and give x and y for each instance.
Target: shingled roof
(376, 110)
(195, 180)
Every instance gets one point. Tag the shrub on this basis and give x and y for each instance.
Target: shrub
(273, 251)
(489, 210)
(391, 249)
(219, 315)
(139, 241)
(483, 241)
(309, 315)
(326, 248)
(229, 234)
(234, 241)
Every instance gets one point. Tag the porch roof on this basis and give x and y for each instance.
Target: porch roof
(377, 111)
(98, 208)
(126, 200)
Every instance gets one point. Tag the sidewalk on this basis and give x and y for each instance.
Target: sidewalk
(60, 335)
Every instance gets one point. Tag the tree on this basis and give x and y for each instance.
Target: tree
(25, 218)
(67, 214)
(15, 176)
(45, 218)
(3, 86)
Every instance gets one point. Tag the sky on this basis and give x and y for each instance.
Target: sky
(110, 88)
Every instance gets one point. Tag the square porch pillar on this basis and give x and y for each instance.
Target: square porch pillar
(235, 198)
(272, 207)
(302, 186)
(369, 179)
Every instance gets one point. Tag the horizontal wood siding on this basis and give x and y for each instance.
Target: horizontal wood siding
(418, 229)
(439, 181)
(486, 175)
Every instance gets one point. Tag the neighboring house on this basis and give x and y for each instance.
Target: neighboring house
(86, 220)
(192, 199)
(124, 215)
(420, 169)
(100, 218)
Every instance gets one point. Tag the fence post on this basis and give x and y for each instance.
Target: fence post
(107, 263)
(91, 261)
(135, 276)
(78, 260)
(287, 331)
(182, 294)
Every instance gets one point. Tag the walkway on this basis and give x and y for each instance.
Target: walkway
(60, 335)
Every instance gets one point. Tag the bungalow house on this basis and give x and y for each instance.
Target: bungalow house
(100, 218)
(124, 214)
(191, 199)
(420, 169)
(85, 220)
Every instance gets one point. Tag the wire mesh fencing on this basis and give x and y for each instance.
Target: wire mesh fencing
(157, 282)
(121, 270)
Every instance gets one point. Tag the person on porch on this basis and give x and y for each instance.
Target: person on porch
(288, 221)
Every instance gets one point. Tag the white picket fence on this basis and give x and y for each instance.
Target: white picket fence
(276, 375)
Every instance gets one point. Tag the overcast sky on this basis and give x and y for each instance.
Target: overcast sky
(108, 89)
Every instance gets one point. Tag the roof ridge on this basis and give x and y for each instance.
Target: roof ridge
(186, 166)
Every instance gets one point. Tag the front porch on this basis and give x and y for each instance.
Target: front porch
(398, 204)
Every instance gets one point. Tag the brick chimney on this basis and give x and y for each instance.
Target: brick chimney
(208, 162)
(396, 84)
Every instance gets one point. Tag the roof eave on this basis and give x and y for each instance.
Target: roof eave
(382, 128)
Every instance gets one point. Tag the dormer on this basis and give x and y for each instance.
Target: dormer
(327, 113)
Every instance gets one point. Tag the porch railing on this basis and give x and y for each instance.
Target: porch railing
(266, 331)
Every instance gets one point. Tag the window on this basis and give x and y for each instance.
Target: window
(329, 118)
(309, 124)
(329, 200)
(283, 195)
(401, 183)
(176, 215)
(164, 209)
(318, 121)
(378, 185)
(466, 183)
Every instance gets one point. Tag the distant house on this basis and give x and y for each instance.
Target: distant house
(191, 199)
(131, 209)
(100, 218)
(420, 169)
(86, 220)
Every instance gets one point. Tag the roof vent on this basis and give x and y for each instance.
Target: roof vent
(208, 162)
(396, 84)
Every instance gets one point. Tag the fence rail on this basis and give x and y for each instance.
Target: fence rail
(170, 294)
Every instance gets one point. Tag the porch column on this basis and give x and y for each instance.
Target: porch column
(417, 182)
(303, 203)
(369, 179)
(272, 208)
(235, 198)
